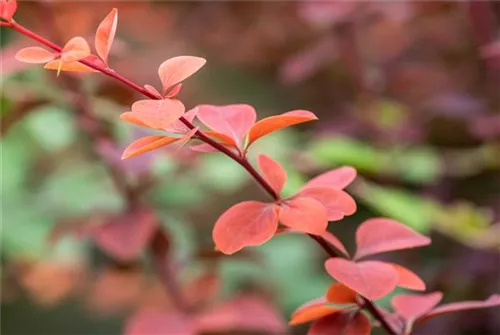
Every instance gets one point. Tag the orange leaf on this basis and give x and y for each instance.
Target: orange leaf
(176, 69)
(408, 279)
(34, 55)
(132, 118)
(381, 234)
(337, 178)
(304, 214)
(334, 241)
(76, 49)
(336, 202)
(157, 114)
(105, 34)
(311, 313)
(338, 293)
(221, 137)
(413, 306)
(69, 67)
(248, 223)
(273, 172)
(8, 9)
(371, 279)
(146, 144)
(273, 123)
(341, 324)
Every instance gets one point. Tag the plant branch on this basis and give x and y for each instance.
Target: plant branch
(369, 306)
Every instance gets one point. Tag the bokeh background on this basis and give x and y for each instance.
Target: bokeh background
(406, 92)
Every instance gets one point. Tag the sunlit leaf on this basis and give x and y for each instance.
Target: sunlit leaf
(146, 144)
(336, 202)
(76, 49)
(338, 178)
(408, 279)
(157, 114)
(176, 69)
(413, 306)
(304, 214)
(34, 55)
(273, 172)
(338, 293)
(105, 34)
(341, 324)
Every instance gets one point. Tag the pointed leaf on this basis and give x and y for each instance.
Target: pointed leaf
(76, 49)
(335, 242)
(304, 214)
(248, 223)
(338, 178)
(381, 234)
(34, 55)
(176, 69)
(221, 137)
(492, 301)
(371, 279)
(146, 144)
(413, 306)
(158, 114)
(8, 9)
(153, 91)
(105, 34)
(408, 279)
(338, 293)
(231, 120)
(341, 324)
(174, 91)
(273, 172)
(311, 313)
(336, 202)
(68, 67)
(277, 122)
(158, 322)
(203, 148)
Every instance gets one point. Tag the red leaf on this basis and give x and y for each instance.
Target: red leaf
(105, 34)
(338, 293)
(34, 55)
(336, 202)
(248, 223)
(341, 324)
(157, 114)
(125, 236)
(8, 9)
(408, 279)
(157, 322)
(153, 91)
(68, 67)
(174, 91)
(335, 242)
(311, 311)
(247, 314)
(304, 214)
(277, 122)
(231, 120)
(176, 69)
(273, 172)
(413, 306)
(380, 235)
(371, 279)
(492, 301)
(76, 49)
(146, 144)
(338, 178)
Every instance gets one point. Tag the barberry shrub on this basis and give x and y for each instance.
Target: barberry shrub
(347, 307)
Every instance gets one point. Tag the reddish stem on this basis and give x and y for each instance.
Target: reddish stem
(369, 306)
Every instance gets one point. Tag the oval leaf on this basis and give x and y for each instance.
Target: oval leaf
(335, 242)
(273, 172)
(158, 114)
(34, 55)
(338, 293)
(176, 69)
(381, 234)
(68, 67)
(248, 223)
(408, 279)
(304, 214)
(413, 306)
(336, 202)
(146, 144)
(76, 49)
(341, 324)
(105, 34)
(371, 279)
(277, 122)
(338, 178)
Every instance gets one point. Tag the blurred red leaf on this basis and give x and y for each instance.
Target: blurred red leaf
(304, 214)
(336, 202)
(242, 314)
(76, 49)
(273, 172)
(408, 279)
(371, 279)
(380, 235)
(125, 236)
(146, 144)
(335, 242)
(176, 69)
(157, 114)
(231, 120)
(413, 306)
(105, 34)
(34, 55)
(341, 324)
(338, 178)
(248, 223)
(157, 322)
(277, 122)
(203, 289)
(8, 9)
(338, 293)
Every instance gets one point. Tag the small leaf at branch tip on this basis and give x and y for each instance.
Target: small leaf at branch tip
(105, 34)
(176, 69)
